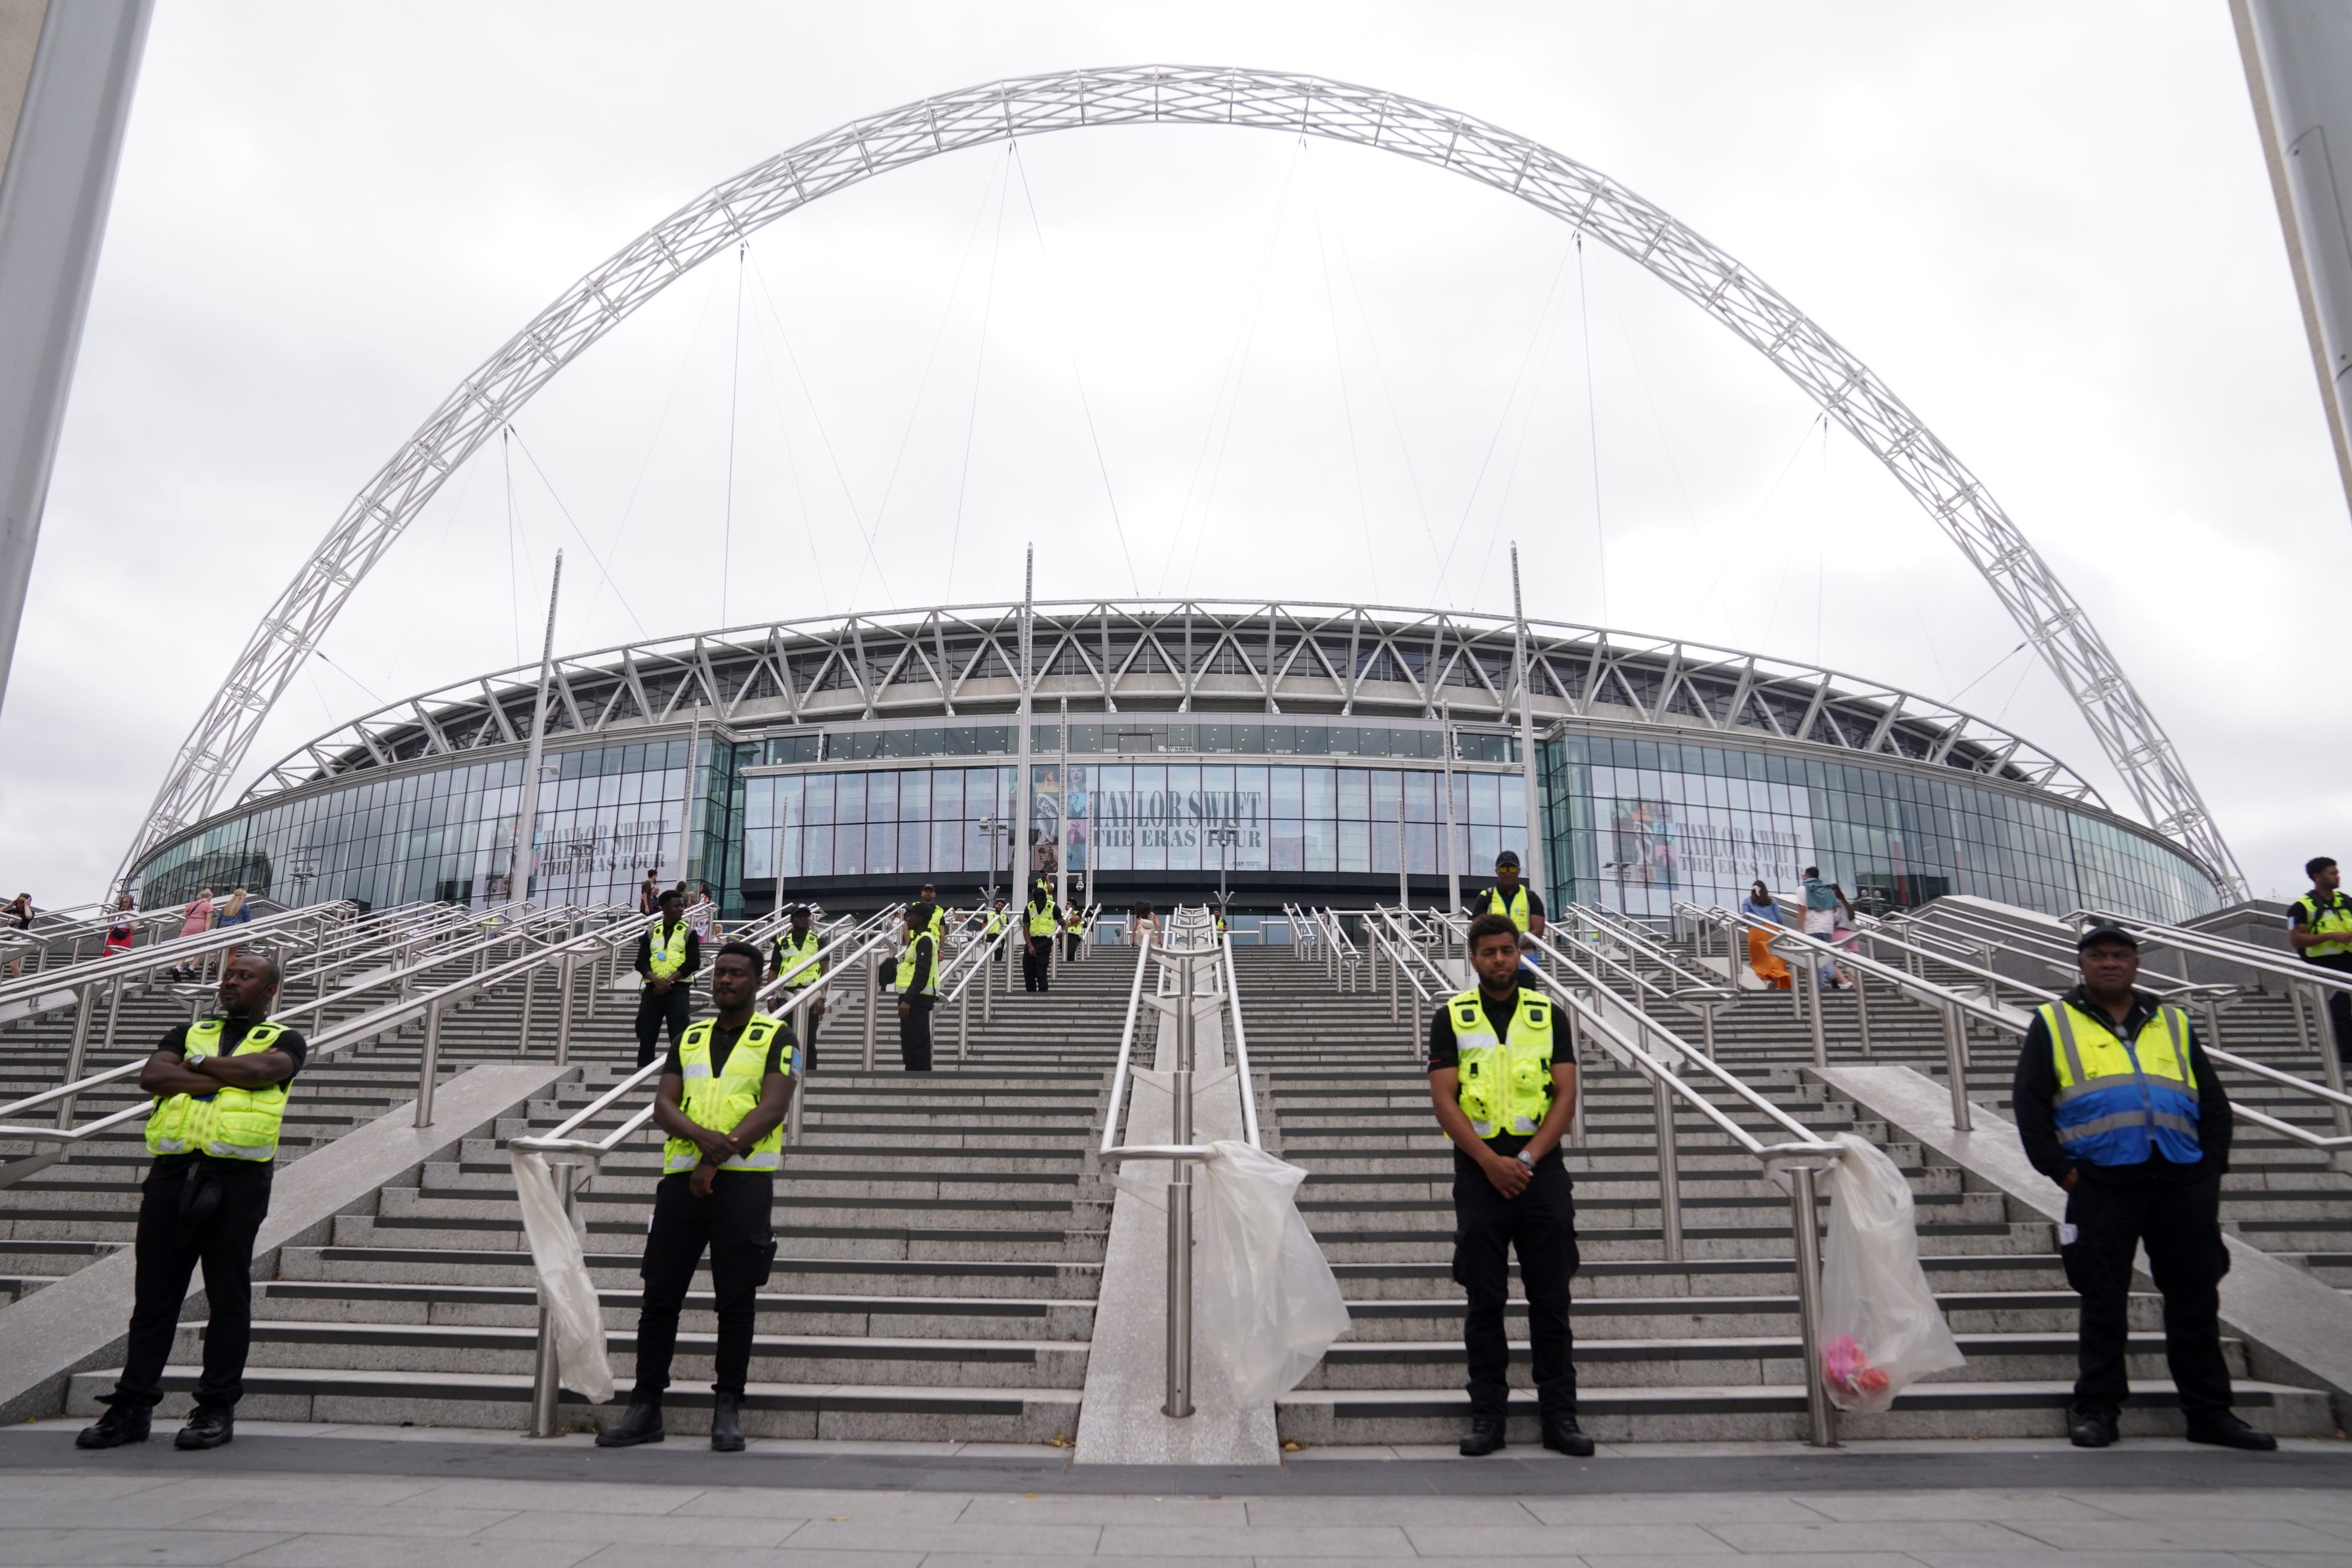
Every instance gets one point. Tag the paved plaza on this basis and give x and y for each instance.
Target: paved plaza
(293, 1496)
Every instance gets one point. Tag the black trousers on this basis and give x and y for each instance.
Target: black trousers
(1070, 941)
(2181, 1228)
(1540, 1223)
(2339, 1004)
(675, 1006)
(197, 1212)
(1037, 963)
(811, 1016)
(733, 1224)
(915, 1035)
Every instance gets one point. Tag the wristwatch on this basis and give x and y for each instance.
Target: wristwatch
(1527, 1159)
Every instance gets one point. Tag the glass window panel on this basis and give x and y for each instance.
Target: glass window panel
(1388, 791)
(1355, 847)
(882, 798)
(1322, 796)
(1421, 795)
(849, 798)
(1289, 844)
(1486, 800)
(914, 847)
(947, 837)
(1287, 787)
(915, 795)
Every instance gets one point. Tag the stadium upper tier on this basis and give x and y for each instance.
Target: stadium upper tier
(1161, 658)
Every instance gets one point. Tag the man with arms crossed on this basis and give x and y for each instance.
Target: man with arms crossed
(1506, 1102)
(799, 966)
(220, 1094)
(722, 1100)
(669, 955)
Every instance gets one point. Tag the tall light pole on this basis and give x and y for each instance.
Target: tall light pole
(1524, 658)
(993, 828)
(1452, 856)
(1224, 836)
(1062, 815)
(1022, 812)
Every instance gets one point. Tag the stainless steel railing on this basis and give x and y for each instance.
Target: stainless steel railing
(1193, 952)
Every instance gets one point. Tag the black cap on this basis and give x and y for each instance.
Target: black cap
(2106, 931)
(1507, 858)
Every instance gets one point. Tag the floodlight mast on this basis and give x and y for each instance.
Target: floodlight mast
(1845, 388)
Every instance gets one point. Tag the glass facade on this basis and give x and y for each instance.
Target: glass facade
(1632, 822)
(1642, 823)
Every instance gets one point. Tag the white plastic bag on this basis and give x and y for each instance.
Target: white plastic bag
(573, 1313)
(1881, 1329)
(1267, 1302)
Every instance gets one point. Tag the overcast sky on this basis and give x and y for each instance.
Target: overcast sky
(1191, 360)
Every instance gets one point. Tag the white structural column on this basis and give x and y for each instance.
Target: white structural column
(2298, 58)
(1292, 105)
(62, 148)
(1022, 812)
(1524, 656)
(524, 860)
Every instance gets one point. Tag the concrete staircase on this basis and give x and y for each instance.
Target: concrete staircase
(1706, 1349)
(940, 1245)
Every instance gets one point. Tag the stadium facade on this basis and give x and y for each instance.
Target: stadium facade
(850, 760)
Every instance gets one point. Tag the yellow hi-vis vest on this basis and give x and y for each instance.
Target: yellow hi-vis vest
(2334, 917)
(666, 956)
(2118, 1099)
(937, 923)
(797, 963)
(720, 1101)
(230, 1124)
(996, 921)
(1517, 908)
(1041, 920)
(906, 967)
(1506, 1084)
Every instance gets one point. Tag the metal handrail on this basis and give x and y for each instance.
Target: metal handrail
(1800, 1157)
(51, 991)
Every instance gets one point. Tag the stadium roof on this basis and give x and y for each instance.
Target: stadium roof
(1204, 656)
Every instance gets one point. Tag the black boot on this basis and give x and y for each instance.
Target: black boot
(1563, 1436)
(2094, 1429)
(2224, 1430)
(726, 1433)
(207, 1429)
(1486, 1436)
(123, 1422)
(643, 1423)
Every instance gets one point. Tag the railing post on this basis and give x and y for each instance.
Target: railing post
(544, 1388)
(1821, 1416)
(963, 1025)
(530, 1005)
(987, 983)
(1180, 1213)
(431, 1067)
(563, 1009)
(1956, 1065)
(1670, 1197)
(85, 1003)
(873, 975)
(2330, 1063)
(1861, 1009)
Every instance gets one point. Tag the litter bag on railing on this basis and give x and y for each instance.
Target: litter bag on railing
(574, 1314)
(1268, 1306)
(1881, 1329)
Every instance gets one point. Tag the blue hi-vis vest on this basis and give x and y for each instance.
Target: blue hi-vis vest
(2118, 1101)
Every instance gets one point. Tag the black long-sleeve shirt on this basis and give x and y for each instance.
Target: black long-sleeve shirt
(2036, 1087)
(693, 953)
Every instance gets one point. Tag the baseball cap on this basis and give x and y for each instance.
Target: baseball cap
(1507, 858)
(2107, 930)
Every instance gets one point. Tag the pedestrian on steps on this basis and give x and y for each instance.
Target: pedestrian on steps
(1763, 911)
(669, 955)
(2115, 1102)
(798, 965)
(2319, 926)
(220, 1088)
(1041, 921)
(723, 1095)
(919, 988)
(1506, 1102)
(1820, 920)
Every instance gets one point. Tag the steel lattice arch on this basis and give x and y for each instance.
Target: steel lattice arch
(1844, 388)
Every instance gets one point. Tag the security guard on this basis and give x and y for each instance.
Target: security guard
(722, 1099)
(1504, 1101)
(918, 991)
(1074, 932)
(2320, 926)
(2115, 1102)
(669, 955)
(795, 960)
(1511, 897)
(935, 919)
(1037, 957)
(220, 1088)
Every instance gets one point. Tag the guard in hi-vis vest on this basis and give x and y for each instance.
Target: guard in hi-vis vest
(220, 1088)
(669, 956)
(796, 964)
(918, 984)
(1510, 898)
(934, 919)
(2319, 926)
(1040, 923)
(724, 1092)
(1506, 1102)
(2115, 1102)
(1074, 932)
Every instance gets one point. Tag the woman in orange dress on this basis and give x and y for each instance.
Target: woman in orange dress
(1761, 910)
